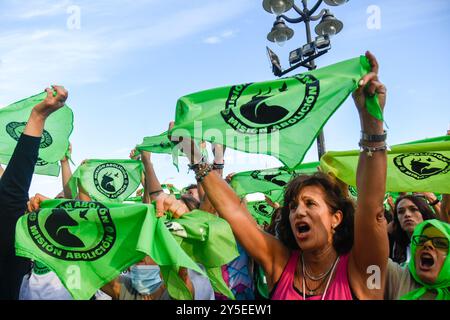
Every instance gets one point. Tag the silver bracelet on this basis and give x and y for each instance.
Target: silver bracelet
(371, 150)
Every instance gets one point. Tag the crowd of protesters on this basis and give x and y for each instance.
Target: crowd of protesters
(320, 244)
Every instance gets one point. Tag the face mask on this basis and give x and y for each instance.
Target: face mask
(145, 279)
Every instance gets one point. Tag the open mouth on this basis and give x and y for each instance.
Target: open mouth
(303, 228)
(426, 261)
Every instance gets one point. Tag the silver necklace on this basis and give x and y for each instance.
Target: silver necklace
(320, 276)
(328, 282)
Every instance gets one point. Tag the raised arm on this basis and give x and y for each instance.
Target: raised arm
(219, 163)
(152, 187)
(264, 248)
(371, 247)
(66, 173)
(14, 187)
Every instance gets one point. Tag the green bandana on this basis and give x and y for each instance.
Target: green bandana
(268, 180)
(416, 167)
(261, 211)
(88, 244)
(280, 117)
(442, 283)
(107, 180)
(161, 144)
(47, 169)
(208, 240)
(55, 138)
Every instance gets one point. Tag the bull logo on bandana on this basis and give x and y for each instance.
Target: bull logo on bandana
(264, 108)
(278, 178)
(111, 179)
(422, 165)
(73, 231)
(15, 130)
(263, 209)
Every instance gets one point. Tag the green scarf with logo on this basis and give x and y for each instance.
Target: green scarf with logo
(107, 180)
(279, 117)
(415, 167)
(442, 284)
(88, 244)
(55, 138)
(268, 180)
(261, 211)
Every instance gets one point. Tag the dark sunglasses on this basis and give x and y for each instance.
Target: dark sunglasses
(438, 242)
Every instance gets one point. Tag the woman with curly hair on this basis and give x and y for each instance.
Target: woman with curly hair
(326, 247)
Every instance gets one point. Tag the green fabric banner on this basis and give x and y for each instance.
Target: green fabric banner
(268, 180)
(55, 138)
(208, 240)
(47, 169)
(280, 117)
(421, 167)
(160, 144)
(88, 244)
(107, 180)
(261, 211)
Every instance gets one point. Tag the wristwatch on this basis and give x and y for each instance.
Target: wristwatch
(373, 137)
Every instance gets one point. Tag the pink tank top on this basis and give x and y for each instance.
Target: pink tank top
(339, 289)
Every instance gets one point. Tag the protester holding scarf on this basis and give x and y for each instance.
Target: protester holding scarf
(316, 255)
(427, 276)
(14, 187)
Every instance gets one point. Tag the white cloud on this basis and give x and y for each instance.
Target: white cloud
(228, 33)
(32, 58)
(212, 40)
(44, 8)
(219, 38)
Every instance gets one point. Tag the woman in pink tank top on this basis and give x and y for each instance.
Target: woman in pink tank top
(326, 249)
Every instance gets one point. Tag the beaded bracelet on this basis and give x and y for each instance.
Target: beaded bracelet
(195, 166)
(371, 150)
(202, 170)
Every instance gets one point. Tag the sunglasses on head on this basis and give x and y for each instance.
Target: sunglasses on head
(438, 242)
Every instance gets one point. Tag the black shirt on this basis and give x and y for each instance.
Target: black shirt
(14, 186)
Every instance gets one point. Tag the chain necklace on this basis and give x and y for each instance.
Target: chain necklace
(328, 282)
(313, 291)
(320, 276)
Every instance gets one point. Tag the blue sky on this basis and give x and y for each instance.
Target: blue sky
(129, 62)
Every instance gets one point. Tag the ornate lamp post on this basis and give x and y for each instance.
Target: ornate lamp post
(305, 55)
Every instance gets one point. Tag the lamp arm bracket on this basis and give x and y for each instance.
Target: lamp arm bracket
(320, 15)
(315, 7)
(300, 11)
(291, 20)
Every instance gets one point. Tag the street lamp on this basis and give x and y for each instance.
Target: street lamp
(305, 55)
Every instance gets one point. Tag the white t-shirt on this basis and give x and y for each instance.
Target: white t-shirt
(43, 284)
(43, 287)
(202, 285)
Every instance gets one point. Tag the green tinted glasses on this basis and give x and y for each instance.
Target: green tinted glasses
(438, 242)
